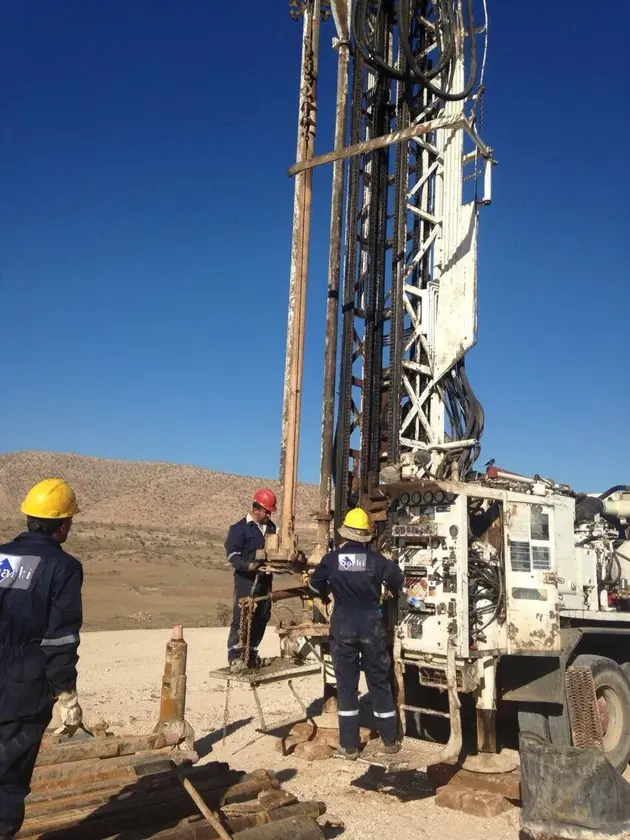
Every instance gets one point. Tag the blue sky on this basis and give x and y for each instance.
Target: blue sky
(145, 218)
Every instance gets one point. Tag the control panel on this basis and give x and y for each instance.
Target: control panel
(430, 532)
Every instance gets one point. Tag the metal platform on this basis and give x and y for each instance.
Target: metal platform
(275, 670)
(415, 754)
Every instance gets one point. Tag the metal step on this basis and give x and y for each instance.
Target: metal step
(586, 724)
(415, 754)
(274, 670)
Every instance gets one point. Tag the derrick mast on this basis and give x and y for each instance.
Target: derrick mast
(406, 408)
(409, 173)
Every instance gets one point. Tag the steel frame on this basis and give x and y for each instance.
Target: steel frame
(402, 175)
(404, 216)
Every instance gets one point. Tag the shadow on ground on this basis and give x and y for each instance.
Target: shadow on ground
(405, 785)
(286, 775)
(204, 745)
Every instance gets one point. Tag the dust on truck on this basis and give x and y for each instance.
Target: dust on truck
(518, 578)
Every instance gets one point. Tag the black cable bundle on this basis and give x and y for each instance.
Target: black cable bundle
(409, 18)
(466, 418)
(485, 583)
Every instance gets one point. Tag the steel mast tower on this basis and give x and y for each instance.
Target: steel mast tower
(410, 172)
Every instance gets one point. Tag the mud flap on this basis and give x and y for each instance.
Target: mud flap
(568, 792)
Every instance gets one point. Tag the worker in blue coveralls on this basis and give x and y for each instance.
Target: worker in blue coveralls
(355, 574)
(243, 540)
(40, 620)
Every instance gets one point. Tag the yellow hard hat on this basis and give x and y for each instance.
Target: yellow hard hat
(357, 519)
(52, 498)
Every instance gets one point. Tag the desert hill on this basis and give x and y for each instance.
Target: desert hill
(150, 535)
(142, 493)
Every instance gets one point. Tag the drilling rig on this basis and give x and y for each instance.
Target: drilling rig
(516, 598)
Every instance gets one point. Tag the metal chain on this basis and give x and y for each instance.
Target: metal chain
(246, 620)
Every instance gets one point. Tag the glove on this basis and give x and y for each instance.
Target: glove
(70, 713)
(253, 567)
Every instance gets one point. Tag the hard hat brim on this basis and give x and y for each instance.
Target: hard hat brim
(355, 535)
(28, 511)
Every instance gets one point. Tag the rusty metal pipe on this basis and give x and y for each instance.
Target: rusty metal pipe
(99, 748)
(99, 816)
(203, 831)
(416, 130)
(105, 778)
(289, 446)
(165, 765)
(65, 773)
(278, 595)
(172, 721)
(332, 306)
(49, 801)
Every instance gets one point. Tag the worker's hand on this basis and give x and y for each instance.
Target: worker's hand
(70, 713)
(266, 570)
(253, 567)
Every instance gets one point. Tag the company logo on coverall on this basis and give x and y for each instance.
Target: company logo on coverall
(17, 572)
(352, 562)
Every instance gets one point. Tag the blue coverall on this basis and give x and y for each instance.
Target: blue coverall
(40, 620)
(243, 540)
(355, 573)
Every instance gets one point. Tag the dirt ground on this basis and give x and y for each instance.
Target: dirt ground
(120, 677)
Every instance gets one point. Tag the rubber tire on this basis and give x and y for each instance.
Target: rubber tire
(605, 672)
(536, 722)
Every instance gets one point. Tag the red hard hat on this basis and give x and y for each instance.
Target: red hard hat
(266, 498)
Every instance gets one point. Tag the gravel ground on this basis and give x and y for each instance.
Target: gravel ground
(119, 682)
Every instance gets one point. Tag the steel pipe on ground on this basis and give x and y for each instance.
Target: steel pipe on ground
(51, 799)
(202, 831)
(99, 748)
(136, 807)
(64, 777)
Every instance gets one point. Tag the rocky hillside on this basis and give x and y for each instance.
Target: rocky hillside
(142, 493)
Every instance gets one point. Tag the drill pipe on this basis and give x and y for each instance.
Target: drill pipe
(103, 817)
(292, 396)
(332, 304)
(279, 595)
(116, 792)
(99, 748)
(65, 774)
(105, 779)
(172, 720)
(294, 828)
(202, 831)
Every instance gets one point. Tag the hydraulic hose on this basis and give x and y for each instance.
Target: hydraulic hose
(448, 31)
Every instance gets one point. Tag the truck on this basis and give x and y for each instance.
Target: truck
(515, 586)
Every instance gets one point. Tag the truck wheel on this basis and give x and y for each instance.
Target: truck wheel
(612, 688)
(533, 721)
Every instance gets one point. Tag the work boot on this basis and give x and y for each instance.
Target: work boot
(389, 749)
(238, 667)
(346, 754)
